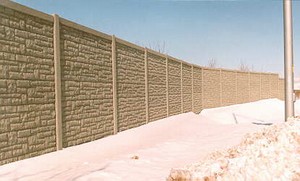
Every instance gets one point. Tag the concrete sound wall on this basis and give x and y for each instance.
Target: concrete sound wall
(63, 84)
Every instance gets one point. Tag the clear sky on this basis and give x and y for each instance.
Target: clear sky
(230, 32)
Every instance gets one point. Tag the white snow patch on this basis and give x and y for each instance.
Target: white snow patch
(150, 151)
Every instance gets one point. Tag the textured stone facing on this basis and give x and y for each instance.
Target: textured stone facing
(274, 85)
(131, 87)
(157, 87)
(211, 88)
(187, 87)
(229, 91)
(86, 87)
(174, 75)
(197, 89)
(27, 111)
(281, 89)
(255, 86)
(243, 94)
(265, 86)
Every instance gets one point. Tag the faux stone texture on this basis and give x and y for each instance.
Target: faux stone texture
(243, 87)
(86, 87)
(229, 91)
(211, 88)
(157, 87)
(197, 89)
(255, 87)
(187, 87)
(174, 76)
(130, 87)
(27, 121)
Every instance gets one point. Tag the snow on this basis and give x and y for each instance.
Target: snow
(150, 151)
(270, 154)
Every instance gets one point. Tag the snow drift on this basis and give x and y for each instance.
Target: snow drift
(272, 153)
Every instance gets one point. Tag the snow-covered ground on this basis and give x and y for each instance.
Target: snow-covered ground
(150, 151)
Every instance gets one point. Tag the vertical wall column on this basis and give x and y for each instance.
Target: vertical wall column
(193, 109)
(270, 87)
(167, 85)
(146, 86)
(202, 89)
(249, 87)
(57, 79)
(260, 87)
(181, 87)
(236, 87)
(114, 72)
(221, 101)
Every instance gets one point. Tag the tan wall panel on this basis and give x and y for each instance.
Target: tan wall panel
(86, 87)
(211, 88)
(281, 89)
(131, 87)
(229, 93)
(157, 87)
(274, 85)
(197, 89)
(254, 86)
(174, 75)
(27, 92)
(265, 86)
(243, 87)
(187, 87)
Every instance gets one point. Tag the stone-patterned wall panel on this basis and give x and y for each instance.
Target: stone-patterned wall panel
(243, 83)
(229, 89)
(274, 85)
(27, 110)
(211, 88)
(197, 89)
(281, 89)
(265, 86)
(157, 87)
(255, 86)
(174, 77)
(86, 87)
(187, 87)
(131, 87)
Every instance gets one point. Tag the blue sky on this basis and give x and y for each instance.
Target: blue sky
(230, 32)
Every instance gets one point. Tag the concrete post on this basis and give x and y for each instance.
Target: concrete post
(167, 85)
(57, 79)
(202, 89)
(236, 87)
(146, 86)
(193, 109)
(115, 94)
(220, 79)
(260, 87)
(249, 87)
(181, 87)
